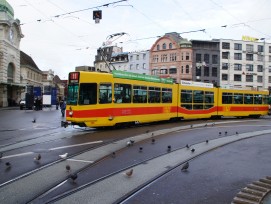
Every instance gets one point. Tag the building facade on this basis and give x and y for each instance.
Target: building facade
(119, 61)
(139, 62)
(171, 57)
(10, 71)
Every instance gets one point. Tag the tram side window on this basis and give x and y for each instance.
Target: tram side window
(197, 96)
(226, 98)
(154, 95)
(122, 93)
(238, 98)
(186, 96)
(139, 94)
(72, 94)
(258, 99)
(248, 99)
(105, 93)
(265, 99)
(88, 94)
(208, 99)
(166, 95)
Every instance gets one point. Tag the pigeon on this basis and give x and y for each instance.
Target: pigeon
(185, 166)
(237, 133)
(168, 148)
(73, 177)
(63, 156)
(140, 149)
(132, 142)
(207, 141)
(38, 157)
(147, 131)
(8, 165)
(219, 133)
(113, 154)
(192, 150)
(187, 146)
(226, 132)
(191, 126)
(152, 140)
(129, 173)
(129, 143)
(34, 120)
(68, 167)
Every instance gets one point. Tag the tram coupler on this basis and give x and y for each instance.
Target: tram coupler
(64, 124)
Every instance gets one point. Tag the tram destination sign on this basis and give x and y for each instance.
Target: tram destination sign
(141, 77)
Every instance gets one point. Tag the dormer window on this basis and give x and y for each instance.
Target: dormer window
(170, 45)
(164, 46)
(158, 47)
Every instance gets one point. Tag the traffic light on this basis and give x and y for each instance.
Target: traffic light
(97, 14)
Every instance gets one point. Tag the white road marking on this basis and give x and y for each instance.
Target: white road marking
(56, 148)
(76, 145)
(79, 160)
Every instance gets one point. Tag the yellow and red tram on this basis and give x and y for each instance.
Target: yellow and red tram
(98, 99)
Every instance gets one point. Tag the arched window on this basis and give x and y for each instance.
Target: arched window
(164, 46)
(158, 47)
(187, 69)
(10, 73)
(170, 45)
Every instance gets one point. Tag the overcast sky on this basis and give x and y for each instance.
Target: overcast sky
(61, 43)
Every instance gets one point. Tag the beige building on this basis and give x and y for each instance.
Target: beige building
(10, 37)
(171, 57)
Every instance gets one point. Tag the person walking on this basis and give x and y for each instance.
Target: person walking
(63, 108)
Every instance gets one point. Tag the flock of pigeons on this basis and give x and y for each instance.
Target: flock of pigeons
(131, 142)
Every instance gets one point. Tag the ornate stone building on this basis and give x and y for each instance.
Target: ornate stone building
(10, 37)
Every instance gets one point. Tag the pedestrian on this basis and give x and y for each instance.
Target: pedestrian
(63, 108)
(57, 104)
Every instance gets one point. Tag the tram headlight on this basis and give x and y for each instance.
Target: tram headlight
(70, 113)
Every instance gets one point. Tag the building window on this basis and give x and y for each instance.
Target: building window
(214, 59)
(137, 57)
(131, 67)
(225, 66)
(238, 67)
(206, 58)
(237, 46)
(269, 58)
(249, 48)
(187, 69)
(269, 49)
(260, 48)
(214, 71)
(131, 58)
(173, 71)
(260, 79)
(170, 45)
(237, 77)
(155, 58)
(163, 71)
(224, 77)
(187, 56)
(269, 79)
(225, 55)
(238, 56)
(137, 66)
(269, 69)
(172, 57)
(198, 71)
(249, 67)
(198, 57)
(144, 65)
(164, 46)
(182, 70)
(225, 45)
(206, 71)
(164, 58)
(10, 74)
(249, 57)
(260, 68)
(157, 47)
(249, 78)
(144, 56)
(260, 58)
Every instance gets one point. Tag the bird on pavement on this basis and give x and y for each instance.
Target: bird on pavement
(237, 133)
(152, 140)
(129, 173)
(129, 143)
(169, 148)
(63, 156)
(8, 165)
(207, 141)
(34, 120)
(132, 142)
(226, 132)
(192, 150)
(219, 133)
(185, 166)
(140, 149)
(187, 146)
(73, 177)
(113, 154)
(68, 167)
(37, 158)
(191, 126)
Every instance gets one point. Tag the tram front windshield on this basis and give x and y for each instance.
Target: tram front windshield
(72, 94)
